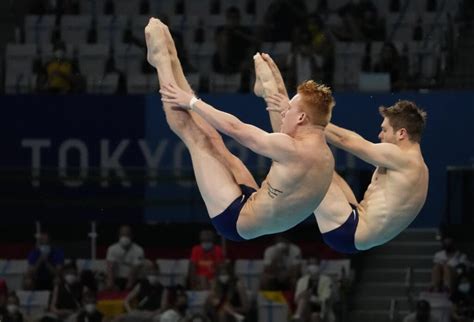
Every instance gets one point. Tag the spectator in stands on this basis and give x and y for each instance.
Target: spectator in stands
(463, 296)
(11, 312)
(389, 62)
(311, 57)
(313, 294)
(89, 312)
(282, 262)
(235, 44)
(422, 314)
(66, 298)
(445, 262)
(45, 262)
(284, 16)
(177, 311)
(204, 259)
(302, 62)
(228, 299)
(148, 298)
(323, 46)
(360, 22)
(124, 260)
(59, 75)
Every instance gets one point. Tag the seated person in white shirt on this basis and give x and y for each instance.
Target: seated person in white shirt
(124, 260)
(313, 294)
(445, 262)
(282, 263)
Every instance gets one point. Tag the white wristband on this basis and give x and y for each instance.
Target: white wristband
(193, 101)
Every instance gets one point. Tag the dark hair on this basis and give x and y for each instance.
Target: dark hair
(125, 227)
(405, 114)
(207, 233)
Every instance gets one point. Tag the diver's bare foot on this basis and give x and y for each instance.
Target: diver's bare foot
(170, 42)
(258, 87)
(266, 84)
(276, 74)
(155, 41)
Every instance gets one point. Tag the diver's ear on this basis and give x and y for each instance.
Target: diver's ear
(301, 117)
(402, 134)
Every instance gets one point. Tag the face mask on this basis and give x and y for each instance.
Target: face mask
(152, 279)
(464, 287)
(224, 278)
(125, 241)
(313, 269)
(70, 278)
(12, 308)
(45, 249)
(207, 245)
(89, 308)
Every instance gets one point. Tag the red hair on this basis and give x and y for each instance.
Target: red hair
(318, 102)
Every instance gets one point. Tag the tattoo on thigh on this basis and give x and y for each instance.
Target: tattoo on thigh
(273, 192)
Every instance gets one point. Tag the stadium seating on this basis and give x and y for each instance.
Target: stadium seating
(249, 271)
(33, 303)
(13, 271)
(173, 271)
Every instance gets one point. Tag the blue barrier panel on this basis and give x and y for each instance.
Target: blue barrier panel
(90, 132)
(108, 136)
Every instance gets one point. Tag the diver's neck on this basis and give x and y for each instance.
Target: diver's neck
(312, 130)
